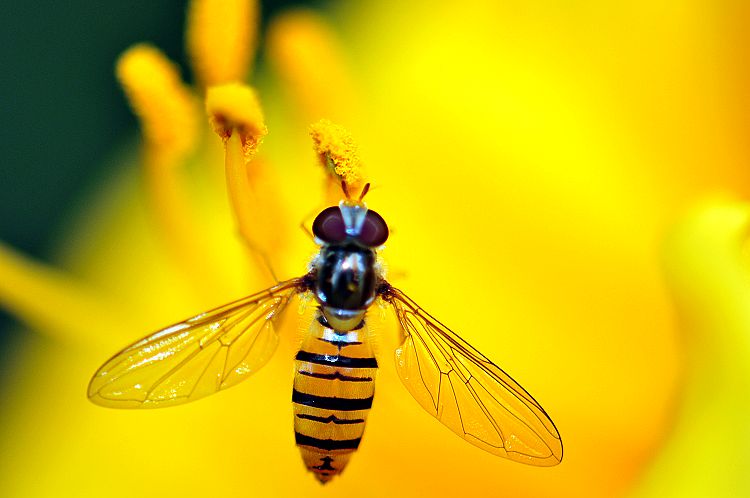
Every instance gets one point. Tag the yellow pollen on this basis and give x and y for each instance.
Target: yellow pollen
(221, 39)
(236, 107)
(337, 152)
(311, 64)
(166, 108)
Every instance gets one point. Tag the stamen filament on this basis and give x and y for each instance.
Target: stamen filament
(237, 118)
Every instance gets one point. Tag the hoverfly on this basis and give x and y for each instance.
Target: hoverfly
(335, 366)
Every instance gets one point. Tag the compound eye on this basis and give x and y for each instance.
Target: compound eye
(374, 231)
(329, 225)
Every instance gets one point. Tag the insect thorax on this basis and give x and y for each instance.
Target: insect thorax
(345, 281)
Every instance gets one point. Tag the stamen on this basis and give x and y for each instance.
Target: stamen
(236, 107)
(167, 109)
(236, 116)
(221, 39)
(50, 301)
(337, 153)
(311, 64)
(168, 114)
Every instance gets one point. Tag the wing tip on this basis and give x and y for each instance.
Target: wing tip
(98, 400)
(553, 459)
(555, 455)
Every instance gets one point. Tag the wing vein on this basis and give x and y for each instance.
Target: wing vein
(487, 407)
(167, 367)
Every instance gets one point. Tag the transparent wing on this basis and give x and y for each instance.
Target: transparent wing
(197, 357)
(467, 392)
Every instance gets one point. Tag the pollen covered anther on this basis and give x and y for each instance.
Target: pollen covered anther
(337, 152)
(235, 107)
(165, 106)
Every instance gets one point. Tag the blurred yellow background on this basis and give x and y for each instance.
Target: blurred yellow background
(531, 159)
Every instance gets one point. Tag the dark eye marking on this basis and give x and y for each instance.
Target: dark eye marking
(329, 225)
(374, 230)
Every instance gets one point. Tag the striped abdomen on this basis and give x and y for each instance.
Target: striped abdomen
(334, 386)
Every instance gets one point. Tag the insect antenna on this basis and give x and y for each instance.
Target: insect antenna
(345, 189)
(364, 191)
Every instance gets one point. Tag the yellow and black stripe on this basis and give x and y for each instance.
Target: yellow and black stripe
(333, 391)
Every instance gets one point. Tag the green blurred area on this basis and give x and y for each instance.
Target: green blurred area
(62, 107)
(64, 113)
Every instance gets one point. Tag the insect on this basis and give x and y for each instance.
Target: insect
(335, 366)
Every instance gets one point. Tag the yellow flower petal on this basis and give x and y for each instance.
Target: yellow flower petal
(52, 302)
(708, 272)
(221, 39)
(543, 257)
